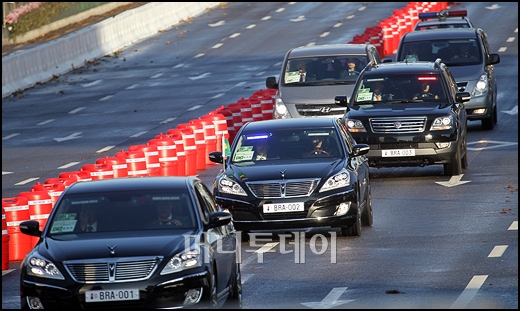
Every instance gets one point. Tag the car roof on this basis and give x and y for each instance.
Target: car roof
(448, 21)
(130, 184)
(329, 49)
(404, 67)
(290, 123)
(443, 33)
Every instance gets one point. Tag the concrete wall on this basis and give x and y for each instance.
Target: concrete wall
(24, 69)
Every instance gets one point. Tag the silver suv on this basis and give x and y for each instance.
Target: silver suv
(312, 76)
(466, 52)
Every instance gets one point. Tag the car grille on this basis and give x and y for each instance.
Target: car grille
(461, 86)
(112, 270)
(398, 125)
(283, 188)
(306, 110)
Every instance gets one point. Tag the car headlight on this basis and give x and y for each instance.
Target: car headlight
(227, 185)
(39, 266)
(481, 87)
(442, 123)
(337, 181)
(280, 110)
(355, 126)
(183, 261)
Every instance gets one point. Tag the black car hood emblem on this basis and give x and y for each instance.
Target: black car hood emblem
(112, 249)
(283, 174)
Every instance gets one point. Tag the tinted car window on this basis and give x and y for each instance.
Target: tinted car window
(446, 50)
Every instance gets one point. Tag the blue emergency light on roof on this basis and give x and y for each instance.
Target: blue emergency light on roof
(443, 14)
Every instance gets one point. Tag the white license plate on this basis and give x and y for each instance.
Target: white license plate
(398, 153)
(283, 207)
(111, 295)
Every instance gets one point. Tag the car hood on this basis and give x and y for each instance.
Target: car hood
(310, 94)
(312, 168)
(124, 246)
(398, 110)
(466, 73)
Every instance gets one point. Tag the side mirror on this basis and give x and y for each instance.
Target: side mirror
(30, 227)
(493, 59)
(270, 83)
(341, 100)
(217, 219)
(359, 149)
(216, 156)
(462, 97)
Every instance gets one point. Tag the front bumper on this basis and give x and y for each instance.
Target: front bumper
(318, 212)
(480, 102)
(156, 292)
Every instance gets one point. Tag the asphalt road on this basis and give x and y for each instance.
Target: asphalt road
(437, 241)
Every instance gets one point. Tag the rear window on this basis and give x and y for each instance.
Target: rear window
(454, 52)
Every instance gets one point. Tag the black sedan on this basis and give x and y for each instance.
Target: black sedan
(312, 175)
(151, 242)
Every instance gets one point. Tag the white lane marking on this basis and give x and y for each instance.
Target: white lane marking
(510, 39)
(10, 136)
(133, 86)
(139, 134)
(71, 136)
(198, 55)
(194, 108)
(91, 83)
(497, 251)
(490, 144)
(251, 26)
(219, 23)
(68, 165)
(168, 120)
(23, 182)
(469, 292)
(6, 173)
(266, 18)
(156, 76)
(514, 225)
(234, 35)
(76, 110)
(105, 149)
(202, 76)
(106, 97)
(216, 46)
(45, 122)
(331, 300)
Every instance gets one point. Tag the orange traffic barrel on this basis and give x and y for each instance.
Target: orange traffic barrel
(190, 149)
(229, 120)
(151, 155)
(79, 175)
(40, 207)
(54, 190)
(99, 170)
(237, 116)
(136, 162)
(256, 107)
(176, 136)
(119, 166)
(209, 135)
(66, 181)
(17, 211)
(169, 165)
(5, 243)
(200, 142)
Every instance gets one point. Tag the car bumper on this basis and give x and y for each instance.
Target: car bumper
(319, 212)
(427, 152)
(478, 103)
(163, 292)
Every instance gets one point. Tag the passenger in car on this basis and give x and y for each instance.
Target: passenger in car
(464, 53)
(87, 221)
(261, 148)
(318, 147)
(377, 92)
(168, 215)
(425, 93)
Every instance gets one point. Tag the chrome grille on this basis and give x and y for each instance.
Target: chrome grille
(309, 110)
(112, 270)
(398, 125)
(283, 188)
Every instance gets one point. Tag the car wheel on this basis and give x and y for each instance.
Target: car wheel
(454, 167)
(235, 297)
(489, 123)
(464, 162)
(210, 295)
(368, 217)
(354, 229)
(244, 235)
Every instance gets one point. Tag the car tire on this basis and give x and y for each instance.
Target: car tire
(210, 295)
(367, 218)
(244, 235)
(464, 160)
(454, 167)
(235, 297)
(489, 123)
(354, 229)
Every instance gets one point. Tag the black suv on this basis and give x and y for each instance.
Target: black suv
(466, 51)
(410, 114)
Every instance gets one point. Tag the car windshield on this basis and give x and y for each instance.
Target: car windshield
(342, 69)
(287, 144)
(453, 52)
(399, 88)
(121, 211)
